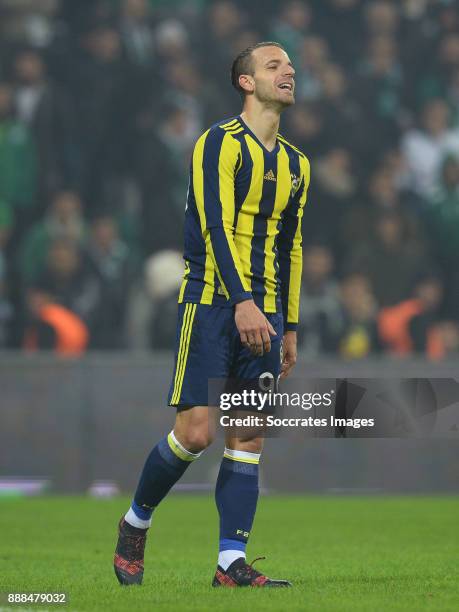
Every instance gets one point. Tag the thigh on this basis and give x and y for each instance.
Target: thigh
(194, 417)
(202, 352)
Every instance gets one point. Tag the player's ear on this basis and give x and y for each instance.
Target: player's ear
(247, 83)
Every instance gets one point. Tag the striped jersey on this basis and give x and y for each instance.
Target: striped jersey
(243, 221)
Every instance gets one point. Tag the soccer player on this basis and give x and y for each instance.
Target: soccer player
(238, 306)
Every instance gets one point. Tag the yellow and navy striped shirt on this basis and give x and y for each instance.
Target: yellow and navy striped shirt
(243, 221)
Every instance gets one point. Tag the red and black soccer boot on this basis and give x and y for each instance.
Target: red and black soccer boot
(128, 561)
(242, 574)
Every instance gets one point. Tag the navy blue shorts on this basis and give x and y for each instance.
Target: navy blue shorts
(208, 346)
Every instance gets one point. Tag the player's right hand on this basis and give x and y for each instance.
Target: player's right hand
(254, 328)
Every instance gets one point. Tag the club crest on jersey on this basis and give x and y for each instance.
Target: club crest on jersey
(295, 184)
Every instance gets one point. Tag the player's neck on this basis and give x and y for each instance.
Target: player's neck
(264, 123)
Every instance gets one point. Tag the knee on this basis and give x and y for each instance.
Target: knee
(195, 439)
(251, 445)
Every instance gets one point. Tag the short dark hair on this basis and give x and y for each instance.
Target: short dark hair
(243, 63)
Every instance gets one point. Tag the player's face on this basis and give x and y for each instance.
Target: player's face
(274, 76)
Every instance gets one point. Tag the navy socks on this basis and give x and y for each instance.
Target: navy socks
(164, 466)
(236, 495)
(236, 492)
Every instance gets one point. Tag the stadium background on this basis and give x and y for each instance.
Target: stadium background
(100, 104)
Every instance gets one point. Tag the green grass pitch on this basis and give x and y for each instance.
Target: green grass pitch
(341, 553)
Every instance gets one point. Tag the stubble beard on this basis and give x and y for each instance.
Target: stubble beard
(271, 102)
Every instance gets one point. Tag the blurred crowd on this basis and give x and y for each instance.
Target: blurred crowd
(101, 102)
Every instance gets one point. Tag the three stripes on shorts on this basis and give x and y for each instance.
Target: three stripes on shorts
(184, 346)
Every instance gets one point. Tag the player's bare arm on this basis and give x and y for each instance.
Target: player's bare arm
(289, 353)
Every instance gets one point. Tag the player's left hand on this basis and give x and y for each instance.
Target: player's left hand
(290, 353)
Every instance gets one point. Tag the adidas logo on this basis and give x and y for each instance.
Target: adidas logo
(270, 176)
